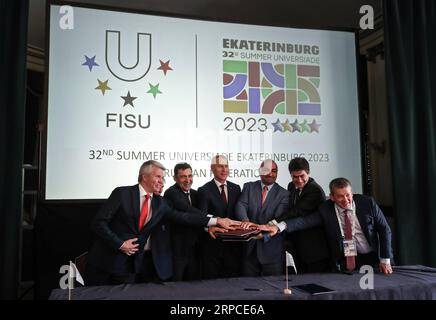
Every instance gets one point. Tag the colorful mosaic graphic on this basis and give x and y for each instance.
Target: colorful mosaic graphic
(264, 88)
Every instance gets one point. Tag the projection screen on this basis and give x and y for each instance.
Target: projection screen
(124, 88)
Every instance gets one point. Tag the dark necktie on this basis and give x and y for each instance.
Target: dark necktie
(189, 197)
(297, 195)
(223, 194)
(144, 212)
(348, 233)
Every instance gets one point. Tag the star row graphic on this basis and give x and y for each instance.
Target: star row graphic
(90, 62)
(128, 99)
(295, 126)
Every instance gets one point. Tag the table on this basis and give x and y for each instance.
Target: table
(407, 282)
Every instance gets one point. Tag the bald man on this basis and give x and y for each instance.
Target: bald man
(218, 197)
(262, 201)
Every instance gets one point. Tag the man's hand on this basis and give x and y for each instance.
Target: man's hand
(385, 268)
(213, 230)
(228, 224)
(129, 247)
(272, 230)
(248, 225)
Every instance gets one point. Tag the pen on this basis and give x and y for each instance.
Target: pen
(252, 289)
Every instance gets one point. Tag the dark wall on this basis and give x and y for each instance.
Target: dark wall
(304, 13)
(62, 232)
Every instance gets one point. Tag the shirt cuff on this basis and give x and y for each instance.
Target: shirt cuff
(386, 261)
(281, 225)
(212, 222)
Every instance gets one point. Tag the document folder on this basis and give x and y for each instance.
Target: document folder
(313, 289)
(237, 235)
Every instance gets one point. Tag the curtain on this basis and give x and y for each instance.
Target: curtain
(13, 38)
(410, 42)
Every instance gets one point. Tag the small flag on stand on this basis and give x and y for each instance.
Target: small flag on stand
(73, 273)
(289, 263)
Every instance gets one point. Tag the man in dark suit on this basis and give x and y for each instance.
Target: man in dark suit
(309, 247)
(356, 229)
(184, 239)
(123, 251)
(260, 202)
(218, 198)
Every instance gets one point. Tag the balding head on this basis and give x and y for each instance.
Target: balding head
(268, 172)
(219, 159)
(220, 168)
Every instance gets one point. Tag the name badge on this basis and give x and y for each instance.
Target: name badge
(350, 249)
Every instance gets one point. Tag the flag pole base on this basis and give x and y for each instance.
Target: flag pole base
(287, 291)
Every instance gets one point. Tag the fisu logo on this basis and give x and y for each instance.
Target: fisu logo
(114, 60)
(130, 63)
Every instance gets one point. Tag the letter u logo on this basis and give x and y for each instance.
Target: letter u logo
(113, 56)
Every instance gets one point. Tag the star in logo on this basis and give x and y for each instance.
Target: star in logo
(296, 126)
(277, 126)
(102, 85)
(128, 99)
(305, 126)
(287, 126)
(90, 62)
(154, 90)
(314, 126)
(164, 66)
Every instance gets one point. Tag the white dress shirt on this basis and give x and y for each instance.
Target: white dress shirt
(219, 184)
(142, 194)
(362, 244)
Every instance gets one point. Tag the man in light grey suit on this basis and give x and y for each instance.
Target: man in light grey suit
(260, 202)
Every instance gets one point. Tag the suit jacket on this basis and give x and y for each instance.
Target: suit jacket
(183, 238)
(211, 202)
(118, 220)
(309, 200)
(249, 207)
(371, 219)
(309, 245)
(219, 258)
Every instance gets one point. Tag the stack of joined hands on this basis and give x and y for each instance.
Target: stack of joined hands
(226, 224)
